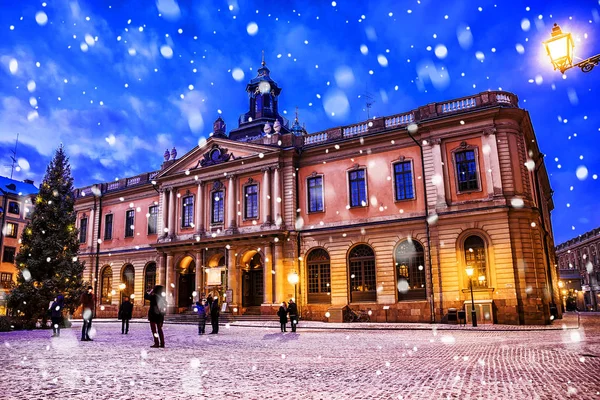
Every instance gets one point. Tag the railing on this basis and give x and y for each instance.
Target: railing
(503, 98)
(315, 138)
(112, 186)
(355, 129)
(458, 105)
(133, 181)
(117, 185)
(403, 119)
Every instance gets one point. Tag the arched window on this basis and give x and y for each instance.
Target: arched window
(362, 274)
(128, 280)
(475, 258)
(106, 285)
(410, 271)
(319, 276)
(149, 279)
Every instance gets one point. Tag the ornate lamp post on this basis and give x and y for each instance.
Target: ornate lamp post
(469, 270)
(293, 280)
(560, 50)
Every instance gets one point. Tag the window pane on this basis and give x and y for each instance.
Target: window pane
(315, 194)
(188, 212)
(403, 180)
(217, 207)
(153, 220)
(410, 271)
(466, 170)
(358, 189)
(475, 258)
(82, 230)
(8, 256)
(128, 280)
(106, 286)
(251, 201)
(129, 220)
(108, 222)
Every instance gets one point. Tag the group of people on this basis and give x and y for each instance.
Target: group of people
(205, 308)
(288, 309)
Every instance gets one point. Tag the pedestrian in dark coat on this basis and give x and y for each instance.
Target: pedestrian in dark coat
(87, 312)
(202, 310)
(214, 316)
(56, 314)
(125, 313)
(282, 313)
(156, 314)
(293, 311)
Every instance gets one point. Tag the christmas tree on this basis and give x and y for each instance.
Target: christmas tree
(47, 260)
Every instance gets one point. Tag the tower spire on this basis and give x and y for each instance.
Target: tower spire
(296, 120)
(263, 63)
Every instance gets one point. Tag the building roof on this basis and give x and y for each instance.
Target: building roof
(18, 188)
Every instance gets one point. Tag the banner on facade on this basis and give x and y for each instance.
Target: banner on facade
(213, 276)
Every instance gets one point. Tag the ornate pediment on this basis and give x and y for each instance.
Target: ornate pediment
(216, 155)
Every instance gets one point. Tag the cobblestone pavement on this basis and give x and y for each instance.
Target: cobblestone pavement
(259, 363)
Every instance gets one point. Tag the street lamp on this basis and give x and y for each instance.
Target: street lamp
(470, 271)
(560, 50)
(293, 280)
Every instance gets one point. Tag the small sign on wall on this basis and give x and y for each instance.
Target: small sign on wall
(213, 276)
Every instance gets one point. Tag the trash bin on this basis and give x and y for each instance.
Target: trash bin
(452, 315)
(462, 317)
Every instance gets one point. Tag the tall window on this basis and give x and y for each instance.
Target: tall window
(14, 208)
(362, 274)
(410, 271)
(358, 188)
(188, 211)
(82, 230)
(5, 280)
(128, 280)
(217, 207)
(106, 285)
(8, 255)
(403, 180)
(108, 225)
(466, 170)
(129, 221)
(149, 279)
(315, 194)
(319, 276)
(475, 258)
(153, 220)
(250, 201)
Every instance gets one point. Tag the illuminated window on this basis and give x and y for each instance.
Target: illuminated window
(475, 258)
(319, 276)
(362, 274)
(106, 285)
(410, 271)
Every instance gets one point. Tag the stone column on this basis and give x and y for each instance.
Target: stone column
(266, 197)
(231, 214)
(164, 212)
(280, 278)
(438, 173)
(161, 270)
(232, 277)
(199, 275)
(90, 228)
(200, 208)
(492, 161)
(268, 275)
(278, 200)
(170, 280)
(171, 224)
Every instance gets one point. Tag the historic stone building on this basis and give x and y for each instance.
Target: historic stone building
(579, 270)
(383, 215)
(16, 205)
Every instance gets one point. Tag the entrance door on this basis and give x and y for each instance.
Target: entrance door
(187, 284)
(252, 287)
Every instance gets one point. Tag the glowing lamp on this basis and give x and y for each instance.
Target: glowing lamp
(293, 278)
(560, 49)
(469, 271)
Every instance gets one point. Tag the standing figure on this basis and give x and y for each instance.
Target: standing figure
(87, 312)
(156, 314)
(202, 311)
(282, 313)
(56, 314)
(125, 312)
(214, 316)
(293, 311)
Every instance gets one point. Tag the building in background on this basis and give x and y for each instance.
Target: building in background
(384, 215)
(580, 272)
(16, 205)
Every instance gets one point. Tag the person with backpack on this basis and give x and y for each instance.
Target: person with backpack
(156, 314)
(56, 314)
(202, 310)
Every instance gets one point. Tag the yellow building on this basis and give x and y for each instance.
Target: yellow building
(384, 215)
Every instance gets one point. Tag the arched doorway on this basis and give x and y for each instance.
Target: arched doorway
(252, 279)
(186, 272)
(128, 279)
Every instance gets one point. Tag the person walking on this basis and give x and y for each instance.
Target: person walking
(87, 312)
(293, 311)
(125, 313)
(156, 314)
(202, 311)
(56, 314)
(214, 315)
(282, 313)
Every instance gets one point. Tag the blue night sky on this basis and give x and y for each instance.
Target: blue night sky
(118, 82)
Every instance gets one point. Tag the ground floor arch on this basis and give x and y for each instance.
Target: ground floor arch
(252, 267)
(186, 281)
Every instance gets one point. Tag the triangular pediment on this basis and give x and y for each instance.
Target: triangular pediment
(215, 151)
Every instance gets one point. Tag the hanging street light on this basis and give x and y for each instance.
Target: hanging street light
(560, 50)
